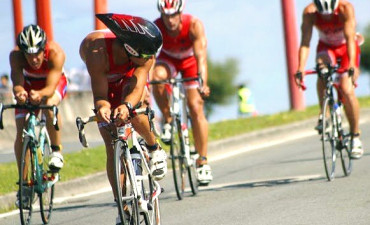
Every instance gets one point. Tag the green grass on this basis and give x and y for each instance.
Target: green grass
(90, 161)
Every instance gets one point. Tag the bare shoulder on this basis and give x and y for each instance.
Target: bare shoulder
(310, 10)
(196, 28)
(93, 42)
(346, 8)
(55, 49)
(16, 58)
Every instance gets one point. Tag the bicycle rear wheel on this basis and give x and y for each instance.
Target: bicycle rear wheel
(125, 198)
(328, 138)
(47, 196)
(345, 155)
(26, 192)
(177, 159)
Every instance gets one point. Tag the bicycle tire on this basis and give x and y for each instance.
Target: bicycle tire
(152, 216)
(26, 183)
(177, 159)
(127, 209)
(192, 171)
(328, 138)
(46, 197)
(345, 156)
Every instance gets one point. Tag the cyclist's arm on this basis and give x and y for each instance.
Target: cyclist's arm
(16, 58)
(92, 53)
(200, 51)
(56, 62)
(306, 34)
(350, 33)
(135, 88)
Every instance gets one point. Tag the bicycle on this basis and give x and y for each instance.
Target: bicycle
(183, 160)
(138, 198)
(333, 136)
(35, 177)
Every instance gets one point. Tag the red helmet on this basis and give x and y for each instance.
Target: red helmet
(170, 7)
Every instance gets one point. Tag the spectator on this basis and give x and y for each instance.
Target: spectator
(246, 105)
(4, 88)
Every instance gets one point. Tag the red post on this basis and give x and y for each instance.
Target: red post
(43, 14)
(18, 19)
(100, 6)
(291, 49)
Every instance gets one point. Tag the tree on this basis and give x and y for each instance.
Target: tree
(365, 51)
(221, 77)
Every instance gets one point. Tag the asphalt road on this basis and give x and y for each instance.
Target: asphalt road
(281, 183)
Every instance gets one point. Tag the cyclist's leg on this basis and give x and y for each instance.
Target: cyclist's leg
(18, 144)
(56, 161)
(324, 56)
(159, 157)
(163, 70)
(350, 101)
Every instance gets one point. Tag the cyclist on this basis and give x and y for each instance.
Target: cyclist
(38, 77)
(336, 25)
(184, 50)
(118, 61)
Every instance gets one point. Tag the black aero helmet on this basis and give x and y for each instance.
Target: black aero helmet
(32, 39)
(140, 37)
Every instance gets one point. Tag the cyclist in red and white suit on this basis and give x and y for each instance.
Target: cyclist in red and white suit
(336, 25)
(184, 50)
(118, 61)
(38, 77)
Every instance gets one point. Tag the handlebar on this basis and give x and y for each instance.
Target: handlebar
(176, 80)
(323, 72)
(30, 108)
(81, 122)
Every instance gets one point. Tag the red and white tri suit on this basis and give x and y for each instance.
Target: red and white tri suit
(177, 52)
(332, 41)
(35, 79)
(117, 76)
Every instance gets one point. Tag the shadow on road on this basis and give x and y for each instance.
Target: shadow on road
(263, 183)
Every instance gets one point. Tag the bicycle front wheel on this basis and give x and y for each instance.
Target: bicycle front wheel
(150, 202)
(124, 187)
(177, 159)
(345, 155)
(47, 196)
(26, 192)
(328, 138)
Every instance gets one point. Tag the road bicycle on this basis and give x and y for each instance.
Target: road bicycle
(335, 139)
(138, 198)
(183, 158)
(35, 177)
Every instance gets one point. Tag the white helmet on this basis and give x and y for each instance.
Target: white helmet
(170, 7)
(32, 39)
(326, 6)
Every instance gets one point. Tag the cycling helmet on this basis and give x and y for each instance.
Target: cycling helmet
(326, 6)
(32, 39)
(140, 37)
(170, 7)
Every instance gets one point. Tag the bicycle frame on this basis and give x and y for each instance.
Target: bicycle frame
(337, 137)
(124, 143)
(36, 143)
